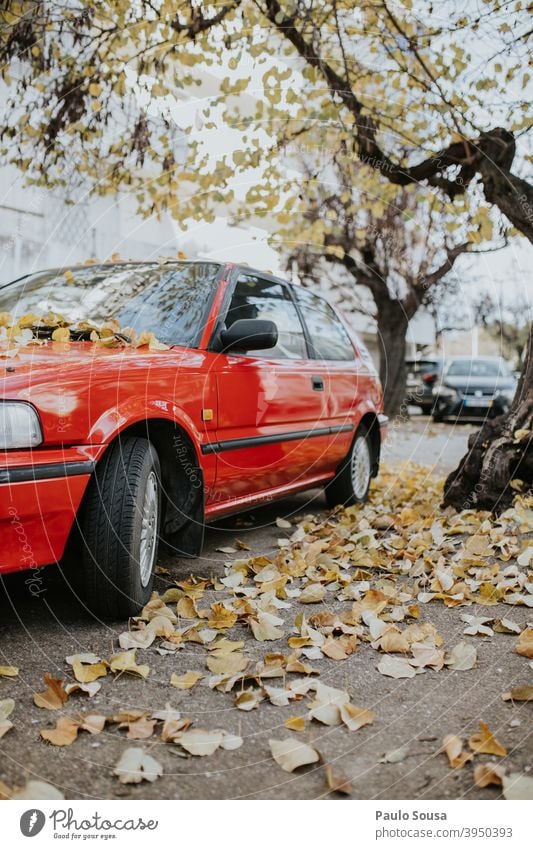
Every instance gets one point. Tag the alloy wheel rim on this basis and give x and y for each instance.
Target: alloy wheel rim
(149, 523)
(360, 467)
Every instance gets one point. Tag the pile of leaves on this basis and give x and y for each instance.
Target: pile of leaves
(32, 329)
(369, 576)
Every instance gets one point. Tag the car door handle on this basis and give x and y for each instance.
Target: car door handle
(318, 384)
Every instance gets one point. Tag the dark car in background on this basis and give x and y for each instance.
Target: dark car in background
(422, 375)
(473, 388)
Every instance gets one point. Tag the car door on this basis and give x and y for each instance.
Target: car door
(345, 376)
(271, 407)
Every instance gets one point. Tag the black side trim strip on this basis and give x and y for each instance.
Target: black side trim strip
(250, 441)
(46, 470)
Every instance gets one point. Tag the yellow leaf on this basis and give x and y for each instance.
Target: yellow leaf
(354, 717)
(64, 733)
(186, 681)
(61, 334)
(126, 662)
(485, 743)
(220, 617)
(87, 672)
(524, 645)
(9, 671)
(295, 723)
(54, 697)
(485, 774)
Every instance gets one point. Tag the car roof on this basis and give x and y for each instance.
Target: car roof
(465, 359)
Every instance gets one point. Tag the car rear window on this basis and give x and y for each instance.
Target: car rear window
(329, 337)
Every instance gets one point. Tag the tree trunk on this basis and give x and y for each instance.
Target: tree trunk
(501, 452)
(392, 331)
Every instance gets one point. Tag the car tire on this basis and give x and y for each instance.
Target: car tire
(120, 530)
(352, 481)
(438, 417)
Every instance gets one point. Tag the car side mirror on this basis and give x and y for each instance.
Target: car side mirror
(249, 334)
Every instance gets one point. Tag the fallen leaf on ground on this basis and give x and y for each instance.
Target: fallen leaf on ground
(519, 694)
(85, 673)
(453, 746)
(63, 734)
(517, 786)
(354, 717)
(90, 689)
(312, 593)
(140, 729)
(524, 645)
(485, 774)
(264, 627)
(226, 664)
(326, 706)
(282, 523)
(290, 754)
(221, 617)
(37, 790)
(462, 657)
(157, 607)
(94, 723)
(295, 723)
(248, 699)
(506, 626)
(396, 667)
(485, 743)
(55, 695)
(7, 706)
(126, 662)
(138, 639)
(395, 756)
(337, 781)
(477, 625)
(135, 766)
(201, 742)
(9, 671)
(231, 741)
(186, 681)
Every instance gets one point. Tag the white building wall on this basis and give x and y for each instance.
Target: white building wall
(40, 229)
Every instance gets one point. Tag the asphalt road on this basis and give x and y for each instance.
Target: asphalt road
(37, 635)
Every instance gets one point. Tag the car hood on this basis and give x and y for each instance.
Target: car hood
(65, 361)
(465, 383)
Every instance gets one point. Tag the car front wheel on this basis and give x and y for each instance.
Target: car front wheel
(352, 481)
(120, 529)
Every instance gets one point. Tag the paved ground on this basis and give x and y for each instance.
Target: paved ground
(36, 635)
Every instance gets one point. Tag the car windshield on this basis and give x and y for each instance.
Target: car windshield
(478, 368)
(168, 299)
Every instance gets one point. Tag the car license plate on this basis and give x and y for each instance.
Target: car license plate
(478, 402)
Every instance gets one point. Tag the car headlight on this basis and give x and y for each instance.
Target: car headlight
(19, 425)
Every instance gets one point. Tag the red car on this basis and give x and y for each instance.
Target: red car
(108, 445)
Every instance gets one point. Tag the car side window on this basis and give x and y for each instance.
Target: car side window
(328, 335)
(254, 297)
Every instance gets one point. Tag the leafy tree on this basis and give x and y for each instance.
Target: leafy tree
(391, 241)
(506, 322)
